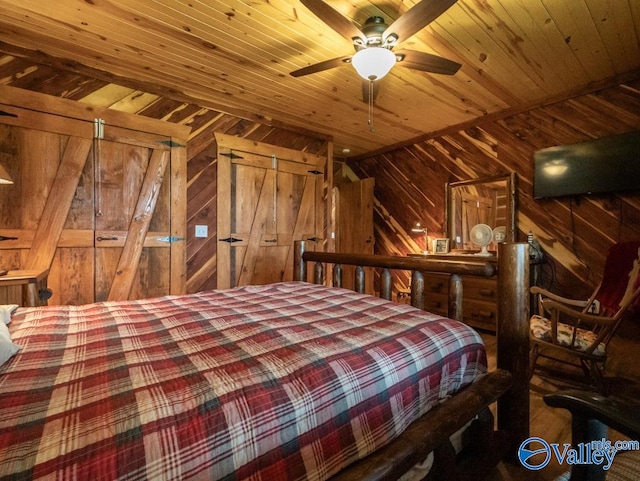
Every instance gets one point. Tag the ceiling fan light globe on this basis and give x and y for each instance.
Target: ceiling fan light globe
(373, 63)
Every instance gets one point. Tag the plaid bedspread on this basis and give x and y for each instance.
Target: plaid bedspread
(288, 381)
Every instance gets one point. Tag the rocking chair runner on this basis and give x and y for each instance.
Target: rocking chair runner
(583, 328)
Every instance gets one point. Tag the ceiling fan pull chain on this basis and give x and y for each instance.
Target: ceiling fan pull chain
(371, 129)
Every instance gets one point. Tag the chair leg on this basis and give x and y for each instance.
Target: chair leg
(598, 374)
(587, 366)
(533, 359)
(594, 374)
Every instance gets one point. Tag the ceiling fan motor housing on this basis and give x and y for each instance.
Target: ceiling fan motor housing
(373, 29)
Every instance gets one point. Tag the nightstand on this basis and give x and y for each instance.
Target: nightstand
(32, 282)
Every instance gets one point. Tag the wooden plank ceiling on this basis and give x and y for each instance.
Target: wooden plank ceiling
(235, 57)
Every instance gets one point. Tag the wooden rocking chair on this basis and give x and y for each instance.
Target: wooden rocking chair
(591, 416)
(581, 329)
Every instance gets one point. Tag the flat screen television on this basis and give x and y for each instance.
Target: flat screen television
(606, 165)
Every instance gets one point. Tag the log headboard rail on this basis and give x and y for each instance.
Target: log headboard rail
(512, 316)
(456, 268)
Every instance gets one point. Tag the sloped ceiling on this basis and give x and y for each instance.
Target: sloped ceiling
(235, 57)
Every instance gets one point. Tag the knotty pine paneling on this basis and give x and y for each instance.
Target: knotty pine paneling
(574, 232)
(237, 57)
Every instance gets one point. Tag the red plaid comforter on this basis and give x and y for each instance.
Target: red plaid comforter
(288, 381)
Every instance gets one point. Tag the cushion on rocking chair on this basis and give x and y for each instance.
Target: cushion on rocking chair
(541, 329)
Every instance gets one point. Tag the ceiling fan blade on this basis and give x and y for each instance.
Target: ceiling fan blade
(416, 18)
(334, 19)
(321, 66)
(367, 85)
(427, 62)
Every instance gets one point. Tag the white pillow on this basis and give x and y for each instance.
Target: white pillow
(7, 348)
(5, 312)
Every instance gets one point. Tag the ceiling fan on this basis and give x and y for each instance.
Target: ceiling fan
(374, 44)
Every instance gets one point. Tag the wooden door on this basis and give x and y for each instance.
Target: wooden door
(265, 202)
(61, 213)
(132, 219)
(354, 222)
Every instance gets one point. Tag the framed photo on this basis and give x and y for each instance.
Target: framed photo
(441, 246)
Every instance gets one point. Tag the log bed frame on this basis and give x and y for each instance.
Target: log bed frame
(508, 384)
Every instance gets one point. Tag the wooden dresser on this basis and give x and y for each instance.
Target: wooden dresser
(480, 299)
(480, 294)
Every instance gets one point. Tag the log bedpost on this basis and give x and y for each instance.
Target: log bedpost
(417, 289)
(386, 284)
(455, 297)
(299, 265)
(337, 275)
(513, 340)
(318, 273)
(359, 280)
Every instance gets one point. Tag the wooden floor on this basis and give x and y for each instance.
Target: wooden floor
(552, 424)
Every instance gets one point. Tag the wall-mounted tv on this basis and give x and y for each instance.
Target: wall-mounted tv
(606, 165)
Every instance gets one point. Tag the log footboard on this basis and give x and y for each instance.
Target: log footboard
(509, 384)
(429, 432)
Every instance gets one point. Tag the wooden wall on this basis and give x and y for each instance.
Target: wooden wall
(574, 232)
(201, 187)
(409, 181)
(201, 147)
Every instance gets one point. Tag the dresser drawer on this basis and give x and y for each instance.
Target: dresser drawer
(480, 302)
(478, 288)
(436, 303)
(480, 311)
(436, 293)
(478, 314)
(436, 284)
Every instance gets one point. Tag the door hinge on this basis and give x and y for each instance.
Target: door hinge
(230, 240)
(231, 155)
(171, 143)
(98, 129)
(169, 238)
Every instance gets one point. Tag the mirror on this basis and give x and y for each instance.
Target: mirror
(489, 201)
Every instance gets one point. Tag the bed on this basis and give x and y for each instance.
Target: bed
(286, 381)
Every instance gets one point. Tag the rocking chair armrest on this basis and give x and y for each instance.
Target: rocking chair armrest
(618, 412)
(550, 295)
(550, 304)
